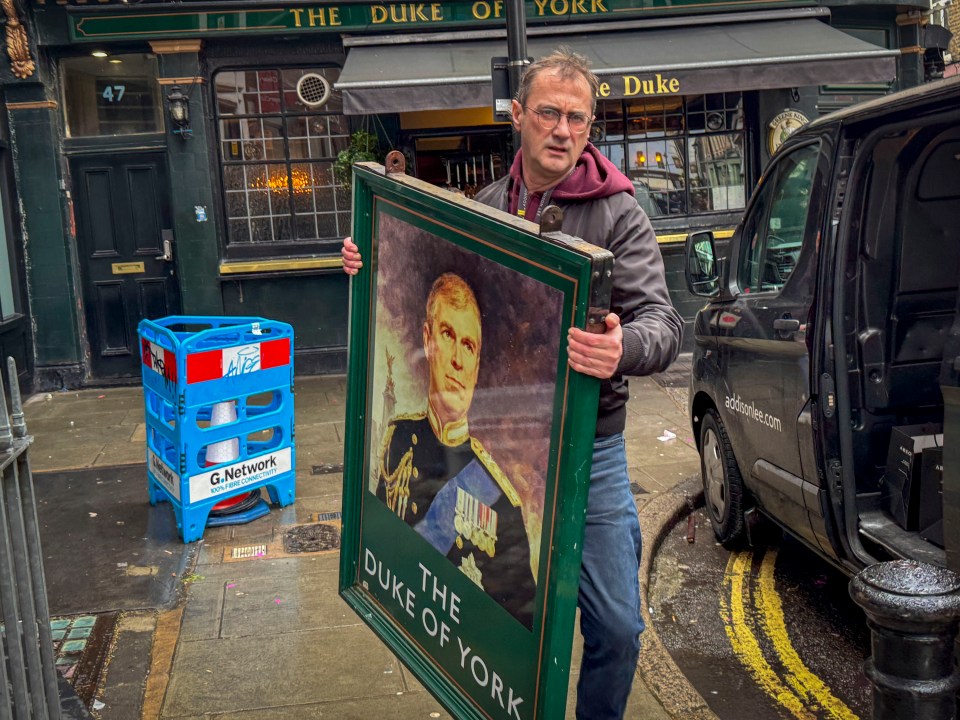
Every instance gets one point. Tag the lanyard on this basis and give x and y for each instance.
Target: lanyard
(522, 203)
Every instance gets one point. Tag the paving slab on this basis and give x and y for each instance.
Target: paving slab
(128, 667)
(273, 668)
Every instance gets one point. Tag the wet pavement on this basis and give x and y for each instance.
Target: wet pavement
(105, 549)
(256, 629)
(767, 632)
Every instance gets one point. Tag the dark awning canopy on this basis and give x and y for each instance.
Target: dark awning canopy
(652, 62)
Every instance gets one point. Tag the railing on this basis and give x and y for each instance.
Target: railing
(28, 680)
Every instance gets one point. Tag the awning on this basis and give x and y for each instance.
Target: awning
(684, 60)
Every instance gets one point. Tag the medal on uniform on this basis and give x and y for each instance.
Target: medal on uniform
(468, 566)
(476, 522)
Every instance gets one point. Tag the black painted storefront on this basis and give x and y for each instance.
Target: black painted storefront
(87, 220)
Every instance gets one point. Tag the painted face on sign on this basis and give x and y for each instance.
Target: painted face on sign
(451, 341)
(552, 128)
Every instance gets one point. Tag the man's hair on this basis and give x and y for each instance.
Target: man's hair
(568, 65)
(455, 292)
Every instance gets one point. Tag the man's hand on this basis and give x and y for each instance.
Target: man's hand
(596, 354)
(351, 257)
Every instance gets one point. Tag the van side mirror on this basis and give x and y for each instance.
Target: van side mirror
(702, 267)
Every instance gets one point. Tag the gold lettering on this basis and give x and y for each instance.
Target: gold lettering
(317, 16)
(498, 8)
(541, 4)
(647, 87)
(674, 85)
(378, 14)
(598, 6)
(436, 12)
(604, 90)
(631, 85)
(661, 85)
(398, 17)
(296, 17)
(559, 8)
(417, 13)
(579, 7)
(481, 10)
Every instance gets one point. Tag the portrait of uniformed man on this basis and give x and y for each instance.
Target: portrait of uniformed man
(439, 479)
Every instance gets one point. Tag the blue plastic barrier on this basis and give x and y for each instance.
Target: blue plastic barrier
(190, 364)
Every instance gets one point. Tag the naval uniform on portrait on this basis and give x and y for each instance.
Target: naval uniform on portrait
(447, 487)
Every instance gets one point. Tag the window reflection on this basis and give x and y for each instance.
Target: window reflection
(683, 154)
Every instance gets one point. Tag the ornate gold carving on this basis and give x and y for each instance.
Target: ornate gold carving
(18, 48)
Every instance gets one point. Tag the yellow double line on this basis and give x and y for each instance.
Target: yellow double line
(754, 607)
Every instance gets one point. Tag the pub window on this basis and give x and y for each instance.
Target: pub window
(684, 155)
(277, 149)
(111, 95)
(9, 305)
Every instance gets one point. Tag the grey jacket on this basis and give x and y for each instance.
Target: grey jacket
(651, 326)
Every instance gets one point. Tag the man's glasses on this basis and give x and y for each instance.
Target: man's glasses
(549, 118)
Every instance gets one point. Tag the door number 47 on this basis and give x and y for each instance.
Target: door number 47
(113, 93)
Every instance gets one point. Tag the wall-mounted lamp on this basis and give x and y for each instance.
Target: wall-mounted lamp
(178, 106)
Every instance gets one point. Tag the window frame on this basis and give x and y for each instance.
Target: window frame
(72, 139)
(8, 216)
(624, 140)
(291, 248)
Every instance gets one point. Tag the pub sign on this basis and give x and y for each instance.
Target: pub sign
(468, 443)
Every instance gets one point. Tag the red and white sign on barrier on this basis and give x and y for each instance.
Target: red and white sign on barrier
(216, 364)
(238, 360)
(159, 359)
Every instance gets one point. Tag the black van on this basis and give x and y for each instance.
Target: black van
(825, 391)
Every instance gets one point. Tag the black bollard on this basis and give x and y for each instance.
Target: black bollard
(913, 610)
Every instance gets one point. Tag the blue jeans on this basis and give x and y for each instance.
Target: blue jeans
(609, 600)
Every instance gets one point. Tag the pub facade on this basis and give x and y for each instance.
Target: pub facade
(189, 157)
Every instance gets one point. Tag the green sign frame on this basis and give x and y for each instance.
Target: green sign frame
(479, 605)
(372, 17)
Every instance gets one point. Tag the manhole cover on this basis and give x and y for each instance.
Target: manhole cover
(311, 538)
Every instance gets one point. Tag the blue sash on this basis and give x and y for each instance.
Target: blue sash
(437, 526)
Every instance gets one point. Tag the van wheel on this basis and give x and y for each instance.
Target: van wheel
(722, 484)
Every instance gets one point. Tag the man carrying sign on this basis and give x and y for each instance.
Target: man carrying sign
(553, 112)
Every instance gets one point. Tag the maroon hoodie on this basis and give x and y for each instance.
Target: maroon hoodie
(593, 177)
(599, 206)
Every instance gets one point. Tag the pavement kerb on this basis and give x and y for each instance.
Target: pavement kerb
(165, 638)
(655, 665)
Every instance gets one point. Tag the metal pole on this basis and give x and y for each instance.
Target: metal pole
(913, 610)
(516, 52)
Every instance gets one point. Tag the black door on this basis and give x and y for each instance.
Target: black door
(125, 242)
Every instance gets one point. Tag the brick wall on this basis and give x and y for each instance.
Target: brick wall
(953, 24)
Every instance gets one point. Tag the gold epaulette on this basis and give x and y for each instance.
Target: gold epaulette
(388, 434)
(495, 472)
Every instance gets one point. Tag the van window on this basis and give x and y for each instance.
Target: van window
(778, 223)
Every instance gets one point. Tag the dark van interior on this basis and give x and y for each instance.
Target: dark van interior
(901, 281)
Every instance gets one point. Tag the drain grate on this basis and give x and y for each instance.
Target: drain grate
(311, 538)
(248, 551)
